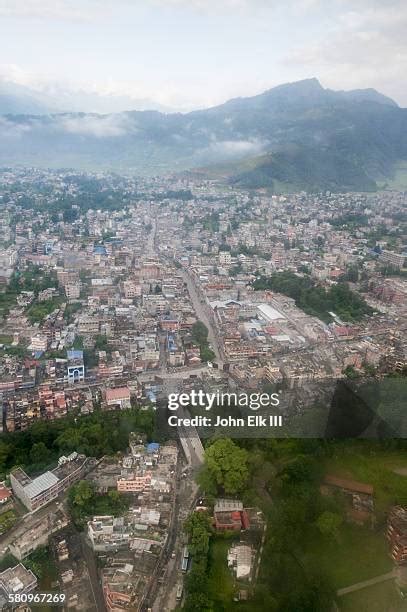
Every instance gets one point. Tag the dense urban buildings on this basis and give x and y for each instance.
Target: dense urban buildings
(117, 292)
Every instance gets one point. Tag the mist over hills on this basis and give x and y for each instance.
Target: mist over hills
(294, 136)
(16, 99)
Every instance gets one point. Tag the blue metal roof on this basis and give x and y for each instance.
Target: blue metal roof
(151, 396)
(75, 354)
(99, 249)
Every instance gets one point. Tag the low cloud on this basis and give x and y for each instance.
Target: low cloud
(236, 148)
(99, 126)
(13, 129)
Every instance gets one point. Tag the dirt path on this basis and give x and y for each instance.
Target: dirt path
(366, 583)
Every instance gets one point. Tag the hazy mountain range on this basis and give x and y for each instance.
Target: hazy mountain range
(17, 99)
(295, 136)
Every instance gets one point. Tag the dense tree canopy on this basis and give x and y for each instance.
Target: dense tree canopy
(101, 433)
(225, 468)
(84, 502)
(314, 299)
(200, 337)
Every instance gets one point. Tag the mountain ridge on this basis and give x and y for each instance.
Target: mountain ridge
(319, 138)
(16, 99)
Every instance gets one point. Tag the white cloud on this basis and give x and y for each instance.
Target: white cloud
(237, 148)
(208, 4)
(355, 43)
(99, 126)
(61, 10)
(87, 10)
(12, 129)
(367, 47)
(53, 9)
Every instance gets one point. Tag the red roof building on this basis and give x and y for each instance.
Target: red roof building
(120, 396)
(5, 494)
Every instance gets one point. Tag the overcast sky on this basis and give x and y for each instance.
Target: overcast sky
(191, 53)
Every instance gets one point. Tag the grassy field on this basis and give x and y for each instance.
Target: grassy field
(5, 339)
(7, 520)
(359, 554)
(221, 583)
(376, 468)
(382, 597)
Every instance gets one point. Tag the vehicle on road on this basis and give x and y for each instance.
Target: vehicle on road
(180, 590)
(185, 559)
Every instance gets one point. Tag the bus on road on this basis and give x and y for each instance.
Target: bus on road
(185, 559)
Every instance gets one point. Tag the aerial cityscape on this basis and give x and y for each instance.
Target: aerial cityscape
(203, 307)
(118, 292)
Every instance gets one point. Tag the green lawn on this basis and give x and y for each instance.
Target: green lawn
(5, 339)
(221, 582)
(359, 554)
(7, 520)
(376, 468)
(38, 311)
(382, 597)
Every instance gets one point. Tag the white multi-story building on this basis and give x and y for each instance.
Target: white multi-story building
(37, 492)
(39, 343)
(72, 291)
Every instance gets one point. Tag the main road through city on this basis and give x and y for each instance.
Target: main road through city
(202, 310)
(204, 313)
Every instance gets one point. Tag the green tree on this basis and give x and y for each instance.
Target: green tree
(39, 561)
(198, 602)
(81, 493)
(226, 466)
(39, 453)
(198, 528)
(101, 343)
(352, 274)
(351, 373)
(206, 354)
(329, 523)
(199, 332)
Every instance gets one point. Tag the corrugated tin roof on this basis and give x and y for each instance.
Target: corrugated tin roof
(40, 484)
(269, 312)
(118, 393)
